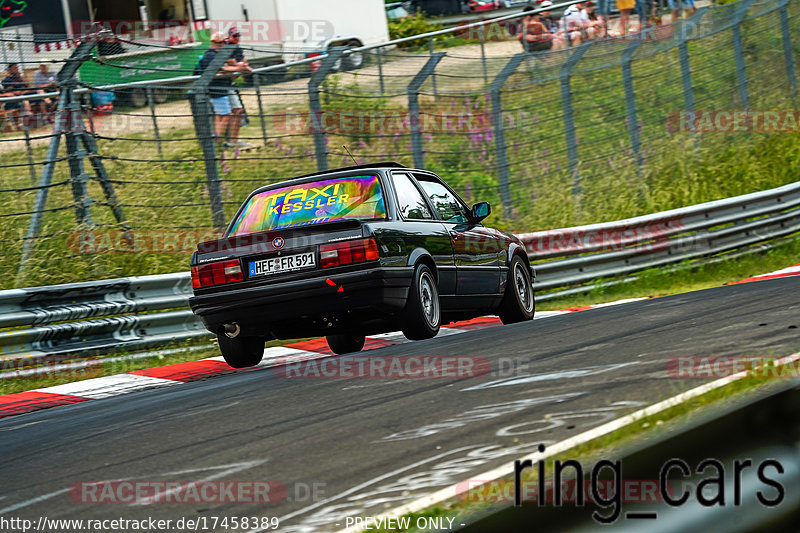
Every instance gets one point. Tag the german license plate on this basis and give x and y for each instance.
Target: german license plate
(280, 264)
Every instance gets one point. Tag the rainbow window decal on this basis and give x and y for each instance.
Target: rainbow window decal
(315, 202)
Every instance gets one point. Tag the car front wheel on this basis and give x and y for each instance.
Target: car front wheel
(345, 343)
(241, 351)
(422, 316)
(518, 301)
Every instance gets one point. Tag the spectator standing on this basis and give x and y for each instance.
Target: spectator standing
(237, 109)
(603, 10)
(220, 86)
(625, 7)
(676, 6)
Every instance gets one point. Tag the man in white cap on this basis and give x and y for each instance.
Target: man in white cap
(220, 85)
(237, 109)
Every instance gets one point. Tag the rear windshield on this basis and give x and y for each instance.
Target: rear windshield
(315, 202)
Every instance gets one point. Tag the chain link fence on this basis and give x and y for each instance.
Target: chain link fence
(594, 132)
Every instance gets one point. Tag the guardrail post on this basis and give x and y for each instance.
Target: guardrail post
(257, 83)
(630, 101)
(738, 51)
(788, 55)
(413, 107)
(152, 106)
(318, 125)
(569, 116)
(204, 125)
(500, 132)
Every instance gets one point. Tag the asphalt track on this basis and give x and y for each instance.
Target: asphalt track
(355, 447)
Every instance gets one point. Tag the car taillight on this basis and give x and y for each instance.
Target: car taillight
(347, 252)
(217, 273)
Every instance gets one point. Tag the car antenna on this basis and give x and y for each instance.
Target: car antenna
(351, 155)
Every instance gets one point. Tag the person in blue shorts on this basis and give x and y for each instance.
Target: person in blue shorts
(220, 86)
(676, 6)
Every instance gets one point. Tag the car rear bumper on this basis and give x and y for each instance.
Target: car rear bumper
(279, 308)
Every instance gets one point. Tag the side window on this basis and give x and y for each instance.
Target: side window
(410, 201)
(445, 203)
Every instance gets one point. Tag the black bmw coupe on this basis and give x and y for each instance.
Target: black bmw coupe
(353, 252)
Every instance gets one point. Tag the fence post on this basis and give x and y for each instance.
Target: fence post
(204, 125)
(683, 55)
(482, 32)
(630, 100)
(500, 132)
(318, 125)
(29, 151)
(257, 83)
(78, 178)
(433, 79)
(569, 116)
(738, 50)
(788, 56)
(152, 106)
(379, 53)
(68, 122)
(413, 107)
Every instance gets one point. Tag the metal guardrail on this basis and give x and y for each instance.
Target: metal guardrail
(95, 317)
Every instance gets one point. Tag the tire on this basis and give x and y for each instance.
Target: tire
(136, 97)
(160, 95)
(355, 60)
(519, 302)
(422, 315)
(343, 343)
(241, 351)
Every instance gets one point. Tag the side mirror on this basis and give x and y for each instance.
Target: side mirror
(480, 211)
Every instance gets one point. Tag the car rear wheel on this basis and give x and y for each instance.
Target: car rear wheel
(355, 60)
(422, 316)
(518, 302)
(345, 343)
(241, 351)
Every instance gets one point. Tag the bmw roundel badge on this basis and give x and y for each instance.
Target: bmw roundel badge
(278, 242)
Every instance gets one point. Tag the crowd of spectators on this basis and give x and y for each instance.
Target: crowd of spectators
(541, 30)
(37, 110)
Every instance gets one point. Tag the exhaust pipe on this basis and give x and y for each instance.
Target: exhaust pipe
(231, 329)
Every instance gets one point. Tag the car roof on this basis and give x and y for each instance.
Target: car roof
(375, 166)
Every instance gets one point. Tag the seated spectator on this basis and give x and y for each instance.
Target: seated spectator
(575, 23)
(534, 35)
(44, 81)
(596, 28)
(552, 25)
(14, 85)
